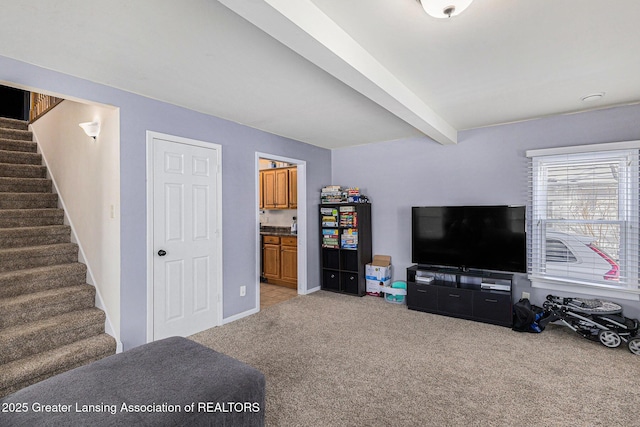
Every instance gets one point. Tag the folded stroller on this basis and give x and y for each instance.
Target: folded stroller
(594, 319)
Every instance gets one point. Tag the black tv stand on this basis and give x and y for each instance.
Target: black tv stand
(478, 295)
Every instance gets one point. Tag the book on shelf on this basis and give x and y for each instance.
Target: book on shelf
(349, 239)
(330, 238)
(332, 194)
(331, 200)
(338, 194)
(353, 195)
(330, 243)
(328, 211)
(353, 191)
(329, 217)
(349, 219)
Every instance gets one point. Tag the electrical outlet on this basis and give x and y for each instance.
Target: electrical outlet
(243, 291)
(526, 295)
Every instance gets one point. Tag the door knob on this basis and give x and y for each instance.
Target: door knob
(162, 252)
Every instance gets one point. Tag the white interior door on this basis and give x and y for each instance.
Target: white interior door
(186, 265)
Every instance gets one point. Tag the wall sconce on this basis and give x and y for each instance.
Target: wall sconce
(92, 129)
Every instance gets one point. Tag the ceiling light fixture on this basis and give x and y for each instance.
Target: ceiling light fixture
(444, 8)
(593, 97)
(92, 129)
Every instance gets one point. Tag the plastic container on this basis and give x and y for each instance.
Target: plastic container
(396, 294)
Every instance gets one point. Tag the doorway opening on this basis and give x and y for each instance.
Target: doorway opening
(281, 229)
(91, 206)
(14, 103)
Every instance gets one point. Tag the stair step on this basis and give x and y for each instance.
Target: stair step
(48, 320)
(25, 185)
(17, 134)
(8, 123)
(30, 217)
(41, 305)
(19, 237)
(20, 157)
(9, 144)
(37, 256)
(24, 372)
(28, 200)
(44, 335)
(31, 280)
(22, 171)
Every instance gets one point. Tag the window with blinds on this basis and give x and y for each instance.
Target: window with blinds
(583, 219)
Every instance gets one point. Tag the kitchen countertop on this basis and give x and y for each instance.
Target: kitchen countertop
(277, 231)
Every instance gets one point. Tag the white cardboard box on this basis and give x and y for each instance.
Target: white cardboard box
(378, 273)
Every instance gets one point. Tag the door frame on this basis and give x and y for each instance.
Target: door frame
(151, 135)
(301, 220)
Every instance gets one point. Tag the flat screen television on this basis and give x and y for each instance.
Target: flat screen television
(469, 237)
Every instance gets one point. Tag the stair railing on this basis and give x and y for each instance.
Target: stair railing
(41, 104)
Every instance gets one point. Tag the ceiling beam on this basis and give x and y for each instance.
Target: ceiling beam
(304, 28)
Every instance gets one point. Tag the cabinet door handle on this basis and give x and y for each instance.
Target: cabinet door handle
(333, 276)
(454, 295)
(422, 290)
(490, 300)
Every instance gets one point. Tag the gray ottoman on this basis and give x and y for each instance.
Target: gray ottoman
(172, 382)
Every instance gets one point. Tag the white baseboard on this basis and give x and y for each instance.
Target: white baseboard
(239, 316)
(312, 290)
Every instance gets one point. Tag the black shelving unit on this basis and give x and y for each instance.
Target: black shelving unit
(345, 236)
(464, 294)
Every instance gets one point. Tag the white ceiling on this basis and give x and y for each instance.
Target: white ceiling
(335, 72)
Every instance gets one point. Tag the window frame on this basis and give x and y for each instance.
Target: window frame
(628, 212)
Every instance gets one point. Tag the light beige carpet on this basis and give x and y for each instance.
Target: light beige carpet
(337, 360)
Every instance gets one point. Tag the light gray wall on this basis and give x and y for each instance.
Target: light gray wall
(240, 143)
(487, 166)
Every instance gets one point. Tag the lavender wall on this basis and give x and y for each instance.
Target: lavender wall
(487, 166)
(240, 143)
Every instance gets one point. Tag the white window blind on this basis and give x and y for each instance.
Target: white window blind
(582, 222)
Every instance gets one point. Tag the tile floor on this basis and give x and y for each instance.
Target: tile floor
(274, 294)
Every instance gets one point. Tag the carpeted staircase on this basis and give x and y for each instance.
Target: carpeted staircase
(48, 320)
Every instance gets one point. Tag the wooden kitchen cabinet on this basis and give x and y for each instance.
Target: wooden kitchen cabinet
(271, 257)
(293, 188)
(282, 188)
(279, 188)
(280, 260)
(289, 261)
(268, 189)
(261, 175)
